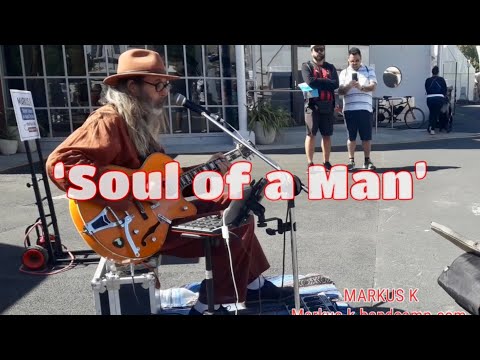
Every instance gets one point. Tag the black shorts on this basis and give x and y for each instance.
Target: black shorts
(315, 121)
(359, 122)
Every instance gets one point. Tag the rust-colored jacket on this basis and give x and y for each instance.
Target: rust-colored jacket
(101, 141)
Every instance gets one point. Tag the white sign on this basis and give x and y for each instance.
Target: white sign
(25, 114)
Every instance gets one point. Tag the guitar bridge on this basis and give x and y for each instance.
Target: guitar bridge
(101, 222)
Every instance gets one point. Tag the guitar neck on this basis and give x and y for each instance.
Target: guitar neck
(186, 179)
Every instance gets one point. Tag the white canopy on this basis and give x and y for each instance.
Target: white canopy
(455, 66)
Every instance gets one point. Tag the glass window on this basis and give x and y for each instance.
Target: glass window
(178, 87)
(228, 60)
(213, 61)
(78, 117)
(57, 92)
(37, 87)
(43, 125)
(179, 120)
(54, 60)
(96, 63)
(194, 60)
(13, 63)
(231, 116)
(197, 90)
(198, 123)
(274, 66)
(158, 48)
(60, 123)
(176, 63)
(97, 90)
(32, 57)
(16, 84)
(67, 81)
(10, 116)
(78, 92)
(230, 92)
(75, 60)
(113, 53)
(218, 111)
(214, 92)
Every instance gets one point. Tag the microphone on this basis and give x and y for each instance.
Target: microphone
(180, 100)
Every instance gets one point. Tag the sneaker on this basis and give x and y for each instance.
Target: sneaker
(268, 293)
(351, 165)
(220, 311)
(369, 165)
(432, 132)
(327, 165)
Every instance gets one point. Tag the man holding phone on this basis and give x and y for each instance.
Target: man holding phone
(357, 83)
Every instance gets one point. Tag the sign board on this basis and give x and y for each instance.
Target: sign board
(25, 114)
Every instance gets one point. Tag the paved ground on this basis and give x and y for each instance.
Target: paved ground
(360, 245)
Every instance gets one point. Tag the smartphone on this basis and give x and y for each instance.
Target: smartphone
(355, 76)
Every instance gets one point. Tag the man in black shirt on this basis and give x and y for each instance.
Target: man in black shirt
(320, 75)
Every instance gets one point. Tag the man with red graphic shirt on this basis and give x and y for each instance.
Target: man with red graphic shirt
(319, 111)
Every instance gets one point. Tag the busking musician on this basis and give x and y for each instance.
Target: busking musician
(122, 133)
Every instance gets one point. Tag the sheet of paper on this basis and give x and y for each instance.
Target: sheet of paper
(308, 90)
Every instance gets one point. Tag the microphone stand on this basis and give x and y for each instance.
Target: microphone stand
(298, 187)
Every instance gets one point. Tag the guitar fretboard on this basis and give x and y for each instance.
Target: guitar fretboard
(186, 178)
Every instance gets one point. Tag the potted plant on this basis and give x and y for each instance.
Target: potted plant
(265, 121)
(8, 142)
(13, 130)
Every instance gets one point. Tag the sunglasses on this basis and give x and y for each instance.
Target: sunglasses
(319, 49)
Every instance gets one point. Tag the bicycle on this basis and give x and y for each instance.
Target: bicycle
(414, 117)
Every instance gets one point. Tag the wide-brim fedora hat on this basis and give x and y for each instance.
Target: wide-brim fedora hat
(139, 62)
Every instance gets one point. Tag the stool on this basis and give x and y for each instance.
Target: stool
(207, 245)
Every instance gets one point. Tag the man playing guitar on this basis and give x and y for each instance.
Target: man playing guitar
(123, 133)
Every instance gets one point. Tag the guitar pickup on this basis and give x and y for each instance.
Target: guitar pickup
(141, 209)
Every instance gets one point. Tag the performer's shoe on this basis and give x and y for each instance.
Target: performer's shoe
(220, 311)
(268, 293)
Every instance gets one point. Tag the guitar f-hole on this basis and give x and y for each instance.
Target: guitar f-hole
(151, 230)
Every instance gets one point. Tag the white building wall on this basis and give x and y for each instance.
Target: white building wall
(414, 62)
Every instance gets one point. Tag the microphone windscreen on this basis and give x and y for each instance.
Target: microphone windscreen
(179, 99)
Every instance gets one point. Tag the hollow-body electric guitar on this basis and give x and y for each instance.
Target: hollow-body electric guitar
(133, 235)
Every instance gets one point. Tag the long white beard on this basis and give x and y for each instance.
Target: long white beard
(156, 111)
